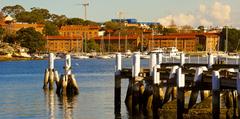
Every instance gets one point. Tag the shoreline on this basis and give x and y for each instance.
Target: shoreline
(4, 59)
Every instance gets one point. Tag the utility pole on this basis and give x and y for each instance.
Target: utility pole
(85, 10)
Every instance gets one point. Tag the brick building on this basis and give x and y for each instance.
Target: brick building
(79, 31)
(116, 43)
(14, 27)
(183, 42)
(64, 44)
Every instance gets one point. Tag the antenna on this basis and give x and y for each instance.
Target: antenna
(85, 10)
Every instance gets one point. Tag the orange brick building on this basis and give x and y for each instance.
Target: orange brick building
(116, 43)
(79, 31)
(183, 42)
(14, 27)
(64, 44)
(209, 41)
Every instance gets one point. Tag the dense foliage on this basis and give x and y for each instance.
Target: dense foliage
(50, 29)
(233, 43)
(31, 39)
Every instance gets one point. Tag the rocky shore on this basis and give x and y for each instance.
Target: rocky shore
(13, 52)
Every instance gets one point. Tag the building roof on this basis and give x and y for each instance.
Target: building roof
(77, 27)
(117, 37)
(62, 37)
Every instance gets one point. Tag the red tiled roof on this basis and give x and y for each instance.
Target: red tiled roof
(78, 26)
(62, 37)
(116, 37)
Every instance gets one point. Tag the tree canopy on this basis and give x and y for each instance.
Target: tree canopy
(12, 10)
(31, 39)
(37, 15)
(50, 29)
(233, 39)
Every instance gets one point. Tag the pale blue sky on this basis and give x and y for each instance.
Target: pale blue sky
(182, 11)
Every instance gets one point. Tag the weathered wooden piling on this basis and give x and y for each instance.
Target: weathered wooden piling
(117, 89)
(133, 95)
(180, 93)
(170, 89)
(215, 95)
(157, 100)
(152, 62)
(182, 59)
(193, 77)
(135, 64)
(195, 90)
(238, 92)
(159, 58)
(67, 84)
(51, 74)
(210, 60)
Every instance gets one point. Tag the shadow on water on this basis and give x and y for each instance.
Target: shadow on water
(63, 102)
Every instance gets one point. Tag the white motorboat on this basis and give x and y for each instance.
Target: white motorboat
(103, 57)
(80, 57)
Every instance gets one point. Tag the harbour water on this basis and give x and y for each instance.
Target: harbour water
(22, 95)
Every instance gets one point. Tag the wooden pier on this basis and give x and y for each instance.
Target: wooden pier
(163, 86)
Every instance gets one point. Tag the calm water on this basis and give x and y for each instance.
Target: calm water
(22, 95)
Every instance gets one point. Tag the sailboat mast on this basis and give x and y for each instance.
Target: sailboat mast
(109, 42)
(126, 43)
(119, 42)
(176, 42)
(142, 43)
(226, 42)
(152, 39)
(82, 44)
(85, 43)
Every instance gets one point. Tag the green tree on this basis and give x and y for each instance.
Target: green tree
(201, 28)
(58, 20)
(109, 25)
(1, 34)
(13, 10)
(233, 39)
(200, 47)
(50, 29)
(9, 38)
(31, 39)
(37, 15)
(88, 22)
(44, 13)
(169, 30)
(74, 21)
(92, 46)
(26, 17)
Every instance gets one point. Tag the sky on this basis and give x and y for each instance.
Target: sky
(182, 12)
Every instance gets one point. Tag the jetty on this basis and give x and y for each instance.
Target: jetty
(188, 90)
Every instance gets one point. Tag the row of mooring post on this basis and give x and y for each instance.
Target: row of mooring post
(51, 74)
(66, 84)
(153, 91)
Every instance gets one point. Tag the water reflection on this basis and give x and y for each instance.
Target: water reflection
(50, 103)
(65, 104)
